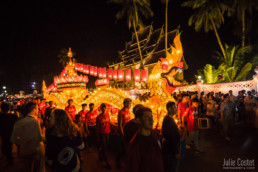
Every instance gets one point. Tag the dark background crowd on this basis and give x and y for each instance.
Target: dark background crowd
(49, 139)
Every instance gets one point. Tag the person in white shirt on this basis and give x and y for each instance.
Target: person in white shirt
(27, 136)
(232, 98)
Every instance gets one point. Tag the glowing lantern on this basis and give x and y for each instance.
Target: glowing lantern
(110, 73)
(120, 74)
(128, 74)
(80, 67)
(100, 72)
(104, 73)
(164, 63)
(86, 69)
(145, 75)
(137, 73)
(101, 82)
(105, 81)
(95, 71)
(114, 74)
(97, 82)
(92, 70)
(76, 66)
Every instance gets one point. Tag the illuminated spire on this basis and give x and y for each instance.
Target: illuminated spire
(70, 53)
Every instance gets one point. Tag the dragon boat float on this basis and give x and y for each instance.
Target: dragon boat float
(151, 84)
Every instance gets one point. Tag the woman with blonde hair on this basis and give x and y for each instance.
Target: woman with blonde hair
(63, 143)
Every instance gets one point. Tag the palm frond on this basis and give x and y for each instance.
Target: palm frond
(210, 74)
(244, 72)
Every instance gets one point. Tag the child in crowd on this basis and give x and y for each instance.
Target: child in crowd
(78, 122)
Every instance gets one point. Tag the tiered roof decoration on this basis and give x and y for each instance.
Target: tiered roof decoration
(68, 78)
(152, 43)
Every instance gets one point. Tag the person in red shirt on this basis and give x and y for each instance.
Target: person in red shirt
(70, 109)
(103, 130)
(193, 95)
(90, 125)
(123, 118)
(182, 106)
(191, 116)
(83, 112)
(124, 115)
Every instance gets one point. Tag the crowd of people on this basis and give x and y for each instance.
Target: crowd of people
(52, 139)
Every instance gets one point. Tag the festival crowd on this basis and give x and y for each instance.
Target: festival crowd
(52, 139)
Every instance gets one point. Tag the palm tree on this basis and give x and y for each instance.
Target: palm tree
(235, 67)
(133, 9)
(209, 15)
(62, 56)
(241, 7)
(166, 24)
(208, 74)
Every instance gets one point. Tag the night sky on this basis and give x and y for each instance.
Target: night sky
(33, 33)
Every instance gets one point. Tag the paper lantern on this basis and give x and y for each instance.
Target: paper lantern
(110, 73)
(100, 72)
(97, 82)
(104, 72)
(86, 69)
(95, 71)
(92, 70)
(164, 63)
(128, 74)
(120, 74)
(105, 81)
(137, 73)
(80, 67)
(145, 75)
(114, 74)
(76, 67)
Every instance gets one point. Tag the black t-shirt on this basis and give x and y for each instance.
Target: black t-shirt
(130, 130)
(62, 152)
(170, 134)
(144, 154)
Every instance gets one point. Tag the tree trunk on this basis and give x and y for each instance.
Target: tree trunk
(166, 28)
(243, 27)
(218, 38)
(139, 48)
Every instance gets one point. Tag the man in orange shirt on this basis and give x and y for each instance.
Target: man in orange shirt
(83, 112)
(123, 118)
(90, 125)
(70, 109)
